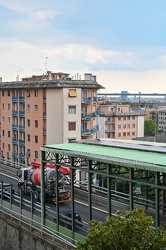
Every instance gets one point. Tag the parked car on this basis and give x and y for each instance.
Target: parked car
(6, 189)
(66, 219)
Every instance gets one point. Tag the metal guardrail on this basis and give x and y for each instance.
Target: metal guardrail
(41, 229)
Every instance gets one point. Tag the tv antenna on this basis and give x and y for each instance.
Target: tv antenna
(46, 64)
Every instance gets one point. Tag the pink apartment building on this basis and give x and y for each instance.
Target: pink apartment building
(46, 109)
(119, 122)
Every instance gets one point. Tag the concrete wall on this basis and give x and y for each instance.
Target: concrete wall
(19, 237)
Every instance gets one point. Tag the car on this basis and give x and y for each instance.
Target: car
(66, 218)
(6, 189)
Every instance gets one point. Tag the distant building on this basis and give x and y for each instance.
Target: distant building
(119, 122)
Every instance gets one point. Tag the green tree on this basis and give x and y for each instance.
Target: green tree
(150, 128)
(129, 231)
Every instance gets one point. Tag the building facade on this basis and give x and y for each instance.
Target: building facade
(119, 122)
(45, 111)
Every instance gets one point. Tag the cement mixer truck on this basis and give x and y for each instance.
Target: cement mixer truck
(29, 180)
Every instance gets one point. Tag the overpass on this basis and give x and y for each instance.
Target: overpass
(140, 166)
(132, 94)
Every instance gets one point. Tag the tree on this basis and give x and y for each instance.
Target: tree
(150, 128)
(129, 231)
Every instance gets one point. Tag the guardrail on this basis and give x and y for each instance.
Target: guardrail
(16, 207)
(36, 226)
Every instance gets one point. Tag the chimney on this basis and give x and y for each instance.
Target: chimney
(87, 77)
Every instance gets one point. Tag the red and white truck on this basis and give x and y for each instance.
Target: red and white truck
(29, 180)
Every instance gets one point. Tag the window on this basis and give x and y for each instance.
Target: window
(8, 106)
(133, 125)
(119, 134)
(8, 92)
(36, 108)
(3, 145)
(28, 108)
(8, 147)
(118, 109)
(133, 117)
(133, 133)
(71, 126)
(72, 109)
(3, 106)
(3, 132)
(119, 118)
(124, 133)
(28, 137)
(128, 133)
(36, 139)
(28, 92)
(9, 134)
(35, 92)
(128, 125)
(36, 123)
(119, 126)
(72, 93)
(2, 92)
(28, 153)
(36, 154)
(28, 122)
(124, 118)
(8, 120)
(124, 125)
(3, 119)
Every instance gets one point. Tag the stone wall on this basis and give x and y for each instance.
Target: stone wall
(19, 237)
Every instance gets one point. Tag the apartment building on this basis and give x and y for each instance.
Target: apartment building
(160, 116)
(119, 122)
(49, 109)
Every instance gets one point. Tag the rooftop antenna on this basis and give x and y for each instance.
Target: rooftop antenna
(46, 64)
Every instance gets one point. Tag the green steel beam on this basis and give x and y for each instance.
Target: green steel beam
(109, 180)
(131, 175)
(42, 195)
(90, 189)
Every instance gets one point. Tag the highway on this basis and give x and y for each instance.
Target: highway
(99, 203)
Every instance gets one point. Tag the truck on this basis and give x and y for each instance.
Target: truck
(29, 181)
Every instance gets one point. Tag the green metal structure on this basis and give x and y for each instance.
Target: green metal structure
(135, 169)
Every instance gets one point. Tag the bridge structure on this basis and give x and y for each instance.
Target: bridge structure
(137, 168)
(132, 94)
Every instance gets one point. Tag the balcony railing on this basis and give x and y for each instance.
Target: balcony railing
(21, 128)
(14, 155)
(21, 113)
(22, 143)
(14, 127)
(14, 141)
(44, 115)
(14, 113)
(14, 98)
(44, 131)
(21, 99)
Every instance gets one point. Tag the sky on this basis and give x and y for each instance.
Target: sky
(122, 42)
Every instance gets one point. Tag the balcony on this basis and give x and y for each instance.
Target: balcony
(44, 115)
(44, 99)
(14, 155)
(14, 113)
(22, 143)
(86, 133)
(109, 130)
(21, 99)
(21, 128)
(21, 113)
(44, 131)
(14, 127)
(22, 157)
(14, 141)
(109, 122)
(14, 98)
